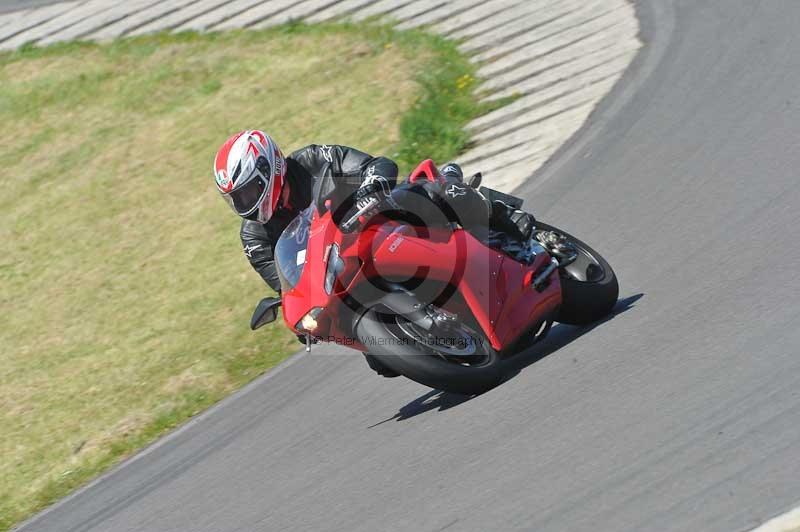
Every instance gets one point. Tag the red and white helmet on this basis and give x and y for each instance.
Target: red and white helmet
(250, 169)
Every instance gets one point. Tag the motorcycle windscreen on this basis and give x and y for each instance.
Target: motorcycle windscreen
(290, 251)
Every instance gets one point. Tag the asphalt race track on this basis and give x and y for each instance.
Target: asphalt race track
(682, 412)
(7, 6)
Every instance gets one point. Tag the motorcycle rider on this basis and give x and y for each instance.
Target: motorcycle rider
(268, 191)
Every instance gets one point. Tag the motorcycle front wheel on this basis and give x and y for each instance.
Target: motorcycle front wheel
(454, 359)
(589, 287)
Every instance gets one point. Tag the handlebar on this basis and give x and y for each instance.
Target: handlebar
(350, 224)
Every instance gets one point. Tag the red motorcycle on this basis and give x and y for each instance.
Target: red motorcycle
(435, 304)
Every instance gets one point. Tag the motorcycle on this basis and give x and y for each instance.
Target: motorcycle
(437, 305)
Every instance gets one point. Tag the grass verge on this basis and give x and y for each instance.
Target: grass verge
(125, 299)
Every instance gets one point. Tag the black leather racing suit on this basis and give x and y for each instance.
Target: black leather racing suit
(316, 171)
(328, 172)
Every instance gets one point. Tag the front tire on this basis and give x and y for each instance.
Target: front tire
(391, 344)
(589, 286)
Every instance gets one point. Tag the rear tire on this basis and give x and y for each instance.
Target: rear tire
(403, 354)
(590, 300)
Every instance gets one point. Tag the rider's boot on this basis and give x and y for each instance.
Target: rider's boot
(509, 220)
(452, 172)
(525, 222)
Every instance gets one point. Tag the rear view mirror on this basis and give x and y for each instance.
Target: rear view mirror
(266, 312)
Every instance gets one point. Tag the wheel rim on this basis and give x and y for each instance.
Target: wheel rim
(455, 344)
(586, 268)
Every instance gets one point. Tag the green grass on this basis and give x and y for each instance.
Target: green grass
(125, 298)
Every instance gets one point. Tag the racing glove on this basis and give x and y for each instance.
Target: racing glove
(377, 190)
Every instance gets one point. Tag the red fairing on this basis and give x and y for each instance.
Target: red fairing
(490, 284)
(426, 170)
(469, 278)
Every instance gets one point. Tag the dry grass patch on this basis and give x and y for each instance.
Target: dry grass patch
(125, 297)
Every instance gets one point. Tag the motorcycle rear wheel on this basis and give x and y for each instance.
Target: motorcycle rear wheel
(589, 286)
(398, 345)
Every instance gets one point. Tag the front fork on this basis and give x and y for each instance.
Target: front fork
(562, 254)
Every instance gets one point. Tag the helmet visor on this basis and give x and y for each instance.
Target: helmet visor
(246, 199)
